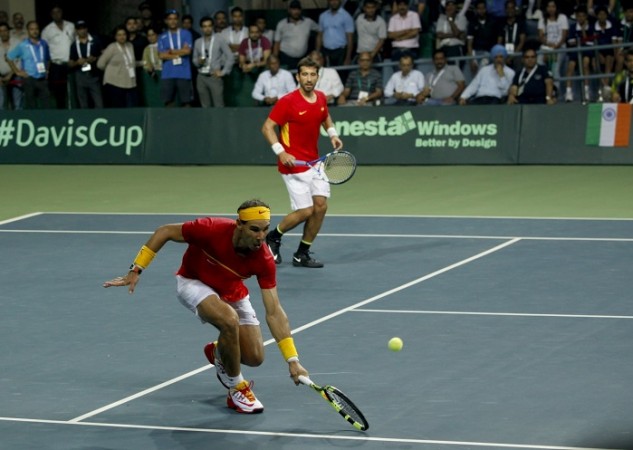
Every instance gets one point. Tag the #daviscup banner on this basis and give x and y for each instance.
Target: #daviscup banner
(608, 124)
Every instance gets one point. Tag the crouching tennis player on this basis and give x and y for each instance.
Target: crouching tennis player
(221, 254)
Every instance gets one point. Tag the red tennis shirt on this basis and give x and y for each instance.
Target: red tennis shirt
(300, 122)
(211, 258)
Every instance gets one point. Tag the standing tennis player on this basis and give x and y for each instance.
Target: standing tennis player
(300, 115)
(221, 253)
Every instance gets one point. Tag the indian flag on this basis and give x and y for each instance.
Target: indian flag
(609, 124)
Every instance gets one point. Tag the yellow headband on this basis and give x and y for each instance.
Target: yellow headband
(254, 213)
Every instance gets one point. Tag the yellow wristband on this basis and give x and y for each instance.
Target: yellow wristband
(145, 257)
(287, 347)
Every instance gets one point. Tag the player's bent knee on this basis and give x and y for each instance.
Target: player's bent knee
(253, 357)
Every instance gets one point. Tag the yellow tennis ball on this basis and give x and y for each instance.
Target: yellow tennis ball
(395, 344)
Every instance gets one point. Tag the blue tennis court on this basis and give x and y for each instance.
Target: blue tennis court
(517, 334)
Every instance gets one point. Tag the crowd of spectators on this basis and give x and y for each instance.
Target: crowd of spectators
(373, 52)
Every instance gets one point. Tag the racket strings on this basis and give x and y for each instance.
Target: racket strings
(339, 168)
(347, 406)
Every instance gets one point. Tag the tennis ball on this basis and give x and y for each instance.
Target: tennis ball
(395, 344)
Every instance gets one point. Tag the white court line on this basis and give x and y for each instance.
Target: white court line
(328, 437)
(354, 235)
(379, 216)
(301, 328)
(15, 219)
(470, 313)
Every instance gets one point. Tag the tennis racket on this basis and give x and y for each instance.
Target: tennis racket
(339, 401)
(335, 167)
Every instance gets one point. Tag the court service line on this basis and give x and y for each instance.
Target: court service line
(301, 328)
(353, 235)
(275, 434)
(471, 313)
(18, 218)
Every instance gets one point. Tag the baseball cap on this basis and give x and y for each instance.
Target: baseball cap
(295, 4)
(81, 24)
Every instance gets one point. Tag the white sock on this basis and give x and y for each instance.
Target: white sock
(234, 381)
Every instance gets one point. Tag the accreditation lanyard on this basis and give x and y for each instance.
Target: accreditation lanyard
(171, 41)
(433, 80)
(79, 49)
(39, 64)
(522, 81)
(153, 49)
(360, 86)
(514, 34)
(128, 59)
(210, 53)
(250, 48)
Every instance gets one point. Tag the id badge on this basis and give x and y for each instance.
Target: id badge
(131, 72)
(363, 94)
(86, 67)
(177, 61)
(510, 48)
(205, 69)
(41, 68)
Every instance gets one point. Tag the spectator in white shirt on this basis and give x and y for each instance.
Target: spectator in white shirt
(405, 87)
(329, 81)
(59, 35)
(237, 32)
(274, 83)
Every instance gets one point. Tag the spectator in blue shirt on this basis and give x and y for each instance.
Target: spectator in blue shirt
(174, 49)
(336, 35)
(35, 57)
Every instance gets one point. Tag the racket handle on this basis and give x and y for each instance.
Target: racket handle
(305, 380)
(298, 162)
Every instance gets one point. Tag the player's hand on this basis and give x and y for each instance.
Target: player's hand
(296, 369)
(337, 144)
(131, 280)
(287, 159)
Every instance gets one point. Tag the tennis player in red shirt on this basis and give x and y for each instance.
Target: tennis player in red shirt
(221, 254)
(300, 115)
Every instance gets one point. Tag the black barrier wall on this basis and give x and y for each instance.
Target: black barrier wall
(376, 135)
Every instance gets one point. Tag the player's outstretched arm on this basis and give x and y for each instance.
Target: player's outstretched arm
(280, 328)
(162, 235)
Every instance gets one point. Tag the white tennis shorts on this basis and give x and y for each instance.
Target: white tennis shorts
(303, 186)
(192, 292)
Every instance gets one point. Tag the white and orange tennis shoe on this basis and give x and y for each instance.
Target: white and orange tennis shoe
(242, 399)
(210, 351)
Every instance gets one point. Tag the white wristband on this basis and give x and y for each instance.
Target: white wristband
(278, 148)
(332, 132)
(292, 359)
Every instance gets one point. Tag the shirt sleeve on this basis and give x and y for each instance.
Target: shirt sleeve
(279, 112)
(349, 24)
(258, 89)
(391, 85)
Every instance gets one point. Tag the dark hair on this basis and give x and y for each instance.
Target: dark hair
(531, 44)
(251, 203)
(439, 50)
(187, 16)
(120, 28)
(601, 8)
(582, 9)
(237, 9)
(206, 19)
(307, 62)
(30, 22)
(4, 24)
(219, 12)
